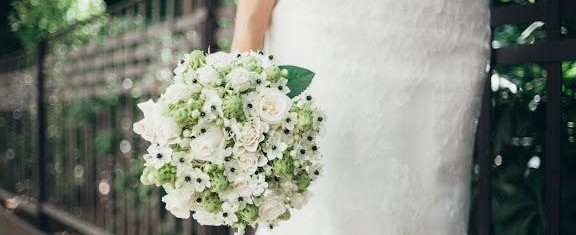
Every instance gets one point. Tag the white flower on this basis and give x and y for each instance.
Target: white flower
(158, 156)
(274, 147)
(155, 127)
(228, 214)
(209, 146)
(315, 170)
(208, 76)
(192, 179)
(281, 85)
(219, 59)
(299, 200)
(212, 107)
(272, 106)
(248, 162)
(231, 170)
(290, 121)
(271, 207)
(178, 203)
(258, 184)
(181, 159)
(249, 136)
(207, 218)
(240, 79)
(176, 92)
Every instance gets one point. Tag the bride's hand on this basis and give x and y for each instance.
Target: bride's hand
(252, 19)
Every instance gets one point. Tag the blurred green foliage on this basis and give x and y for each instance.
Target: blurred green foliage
(35, 19)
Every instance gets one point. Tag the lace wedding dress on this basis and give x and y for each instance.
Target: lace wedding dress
(401, 83)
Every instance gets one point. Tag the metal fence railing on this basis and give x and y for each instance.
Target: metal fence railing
(550, 54)
(69, 158)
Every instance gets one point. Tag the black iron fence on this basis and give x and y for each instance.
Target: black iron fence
(549, 54)
(69, 156)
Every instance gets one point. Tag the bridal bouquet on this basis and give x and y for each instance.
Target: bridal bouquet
(233, 140)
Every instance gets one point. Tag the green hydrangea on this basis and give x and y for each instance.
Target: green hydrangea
(167, 174)
(284, 165)
(185, 113)
(217, 178)
(251, 63)
(305, 120)
(211, 201)
(232, 107)
(249, 213)
(302, 181)
(196, 59)
(273, 73)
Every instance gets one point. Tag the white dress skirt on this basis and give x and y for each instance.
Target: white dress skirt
(401, 82)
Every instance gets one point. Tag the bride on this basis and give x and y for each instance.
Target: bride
(401, 83)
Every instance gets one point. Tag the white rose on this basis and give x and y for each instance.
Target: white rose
(249, 136)
(270, 208)
(272, 106)
(249, 162)
(220, 59)
(207, 218)
(209, 146)
(176, 92)
(178, 203)
(155, 127)
(207, 76)
(299, 200)
(240, 79)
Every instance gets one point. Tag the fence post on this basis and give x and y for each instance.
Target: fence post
(211, 25)
(552, 160)
(41, 132)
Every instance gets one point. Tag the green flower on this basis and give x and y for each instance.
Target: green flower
(302, 182)
(211, 201)
(251, 63)
(232, 107)
(305, 120)
(284, 165)
(249, 213)
(196, 59)
(217, 178)
(167, 174)
(273, 73)
(185, 113)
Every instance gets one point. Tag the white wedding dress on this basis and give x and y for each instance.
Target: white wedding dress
(401, 83)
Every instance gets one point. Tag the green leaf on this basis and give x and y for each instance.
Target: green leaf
(298, 79)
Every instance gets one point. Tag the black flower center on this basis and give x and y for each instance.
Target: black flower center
(240, 199)
(203, 130)
(158, 156)
(199, 200)
(225, 214)
(199, 180)
(249, 105)
(187, 179)
(202, 114)
(308, 97)
(302, 151)
(320, 119)
(316, 172)
(273, 147)
(232, 169)
(310, 138)
(270, 57)
(181, 159)
(314, 147)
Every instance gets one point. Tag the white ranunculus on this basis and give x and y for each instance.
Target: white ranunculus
(240, 79)
(178, 203)
(176, 92)
(209, 146)
(208, 76)
(220, 59)
(272, 106)
(249, 136)
(271, 207)
(155, 127)
(299, 200)
(249, 161)
(207, 218)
